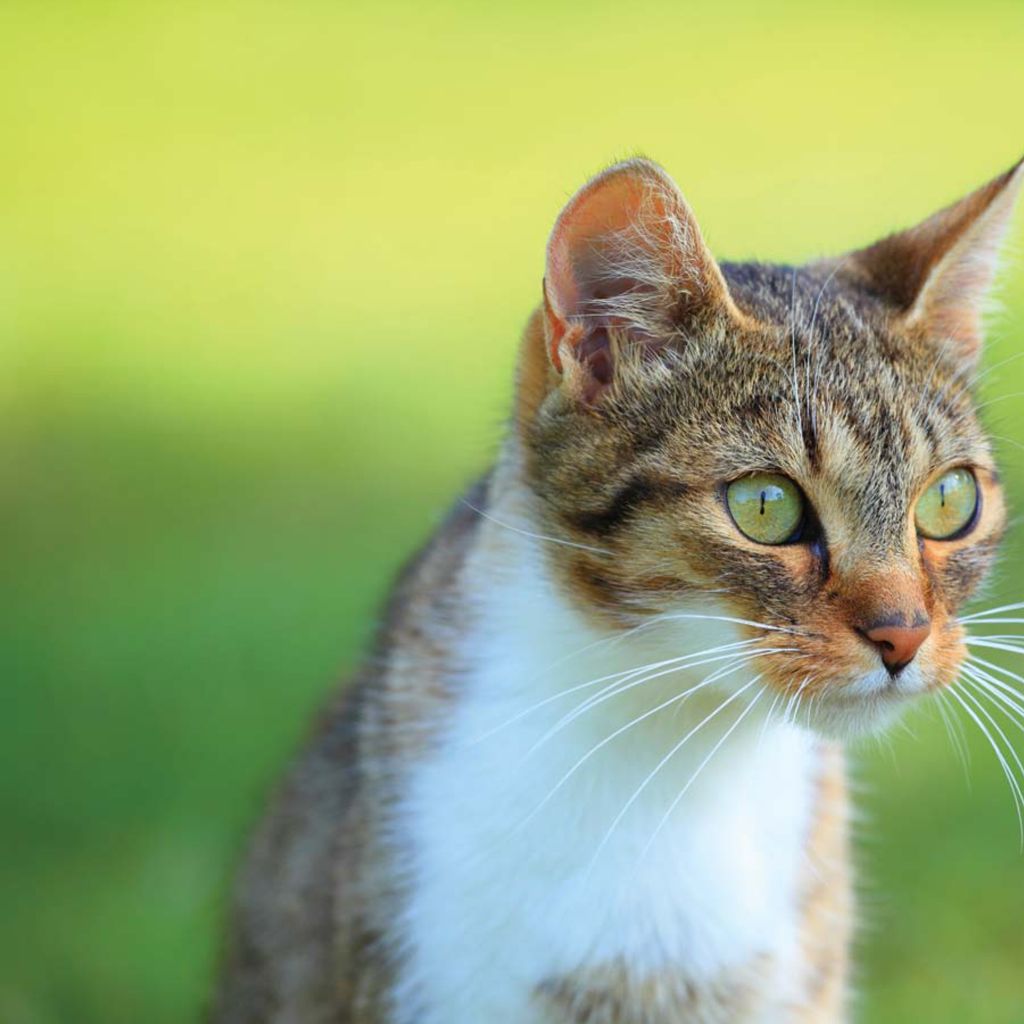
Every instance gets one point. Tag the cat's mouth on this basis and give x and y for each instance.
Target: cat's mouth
(847, 672)
(879, 683)
(853, 696)
(865, 705)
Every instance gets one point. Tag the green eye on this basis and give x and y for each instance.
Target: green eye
(766, 507)
(948, 505)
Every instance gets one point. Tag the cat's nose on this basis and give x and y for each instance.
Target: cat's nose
(897, 643)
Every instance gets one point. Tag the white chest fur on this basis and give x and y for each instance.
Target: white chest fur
(534, 858)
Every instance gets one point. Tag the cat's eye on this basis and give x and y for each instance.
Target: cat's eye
(948, 505)
(767, 508)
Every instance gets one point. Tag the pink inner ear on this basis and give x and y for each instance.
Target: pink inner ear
(622, 215)
(581, 252)
(586, 326)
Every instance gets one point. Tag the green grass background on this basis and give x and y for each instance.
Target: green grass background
(262, 271)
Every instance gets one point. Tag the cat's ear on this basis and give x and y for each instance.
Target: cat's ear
(626, 264)
(937, 274)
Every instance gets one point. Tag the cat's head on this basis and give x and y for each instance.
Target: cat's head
(802, 443)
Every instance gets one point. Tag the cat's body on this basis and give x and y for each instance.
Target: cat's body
(586, 776)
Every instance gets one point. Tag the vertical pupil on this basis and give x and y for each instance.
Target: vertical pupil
(942, 495)
(762, 502)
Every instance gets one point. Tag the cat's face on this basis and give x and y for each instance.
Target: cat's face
(799, 444)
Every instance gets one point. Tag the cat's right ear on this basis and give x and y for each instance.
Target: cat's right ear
(626, 265)
(936, 276)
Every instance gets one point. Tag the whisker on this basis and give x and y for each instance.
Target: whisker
(883, 741)
(993, 622)
(992, 682)
(661, 764)
(991, 611)
(906, 728)
(972, 695)
(693, 778)
(750, 654)
(787, 714)
(619, 638)
(998, 398)
(1007, 440)
(954, 730)
(800, 705)
(975, 659)
(809, 708)
(612, 640)
(1018, 798)
(535, 536)
(669, 616)
(611, 692)
(676, 698)
(977, 641)
(1013, 709)
(982, 374)
(768, 718)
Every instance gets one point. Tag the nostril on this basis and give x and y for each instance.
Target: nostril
(897, 644)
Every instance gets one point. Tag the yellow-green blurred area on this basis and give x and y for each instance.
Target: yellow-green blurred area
(262, 272)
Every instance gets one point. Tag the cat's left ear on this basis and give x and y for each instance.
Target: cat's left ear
(937, 274)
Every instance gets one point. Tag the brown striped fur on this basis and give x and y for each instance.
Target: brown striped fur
(649, 377)
(615, 994)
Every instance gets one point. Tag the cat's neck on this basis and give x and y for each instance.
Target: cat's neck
(642, 827)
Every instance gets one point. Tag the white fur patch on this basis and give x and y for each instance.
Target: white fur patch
(511, 885)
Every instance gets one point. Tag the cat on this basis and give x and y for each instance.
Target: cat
(592, 772)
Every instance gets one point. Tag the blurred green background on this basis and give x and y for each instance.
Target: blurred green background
(262, 272)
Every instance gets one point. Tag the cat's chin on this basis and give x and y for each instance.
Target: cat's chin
(851, 720)
(865, 707)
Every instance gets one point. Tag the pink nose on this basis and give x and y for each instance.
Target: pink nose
(897, 644)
